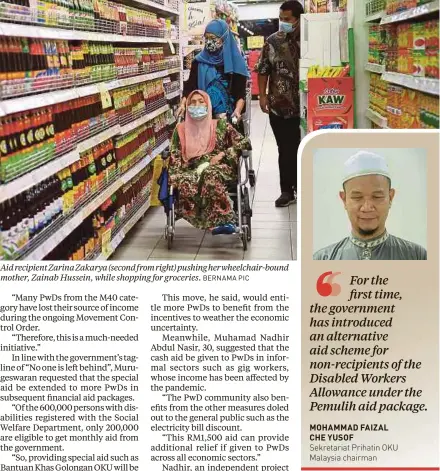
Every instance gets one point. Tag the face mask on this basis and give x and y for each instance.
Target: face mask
(287, 27)
(198, 112)
(213, 45)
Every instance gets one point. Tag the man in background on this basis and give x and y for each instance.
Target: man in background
(279, 68)
(367, 196)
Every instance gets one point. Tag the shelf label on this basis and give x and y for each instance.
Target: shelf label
(106, 98)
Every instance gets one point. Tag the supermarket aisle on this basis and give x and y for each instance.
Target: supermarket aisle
(274, 229)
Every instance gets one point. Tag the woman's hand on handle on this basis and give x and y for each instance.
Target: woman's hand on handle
(181, 110)
(236, 116)
(238, 110)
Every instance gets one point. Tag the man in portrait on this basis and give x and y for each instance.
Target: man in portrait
(367, 195)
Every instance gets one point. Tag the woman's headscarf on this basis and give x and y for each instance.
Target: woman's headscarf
(229, 56)
(197, 137)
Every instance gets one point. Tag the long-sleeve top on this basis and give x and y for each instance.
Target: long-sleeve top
(237, 83)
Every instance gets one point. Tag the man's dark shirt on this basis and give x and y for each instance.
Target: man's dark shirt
(280, 61)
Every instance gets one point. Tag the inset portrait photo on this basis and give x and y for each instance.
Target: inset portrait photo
(369, 204)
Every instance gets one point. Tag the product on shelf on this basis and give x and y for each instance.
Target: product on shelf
(171, 86)
(378, 95)
(85, 242)
(411, 109)
(129, 103)
(135, 101)
(27, 214)
(378, 41)
(317, 71)
(33, 65)
(326, 6)
(92, 62)
(134, 146)
(417, 45)
(396, 6)
(32, 138)
(409, 48)
(26, 141)
(88, 15)
(54, 199)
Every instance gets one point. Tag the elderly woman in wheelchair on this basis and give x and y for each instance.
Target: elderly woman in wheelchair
(204, 155)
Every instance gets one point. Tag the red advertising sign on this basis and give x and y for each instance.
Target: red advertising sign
(330, 103)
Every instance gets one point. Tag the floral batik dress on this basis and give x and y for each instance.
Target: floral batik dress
(203, 198)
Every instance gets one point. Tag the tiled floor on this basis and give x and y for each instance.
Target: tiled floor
(273, 229)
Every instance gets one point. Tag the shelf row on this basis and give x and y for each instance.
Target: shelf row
(16, 105)
(43, 32)
(17, 186)
(406, 15)
(416, 12)
(377, 119)
(69, 225)
(157, 7)
(422, 84)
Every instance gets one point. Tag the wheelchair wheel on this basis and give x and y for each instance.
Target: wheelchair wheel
(244, 238)
(252, 178)
(169, 229)
(247, 213)
(170, 238)
(249, 228)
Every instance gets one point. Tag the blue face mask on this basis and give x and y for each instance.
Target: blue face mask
(198, 112)
(287, 27)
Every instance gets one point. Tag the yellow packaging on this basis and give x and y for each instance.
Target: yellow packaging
(157, 170)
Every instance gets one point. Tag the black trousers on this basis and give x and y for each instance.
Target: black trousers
(288, 137)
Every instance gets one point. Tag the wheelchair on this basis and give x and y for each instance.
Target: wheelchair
(238, 192)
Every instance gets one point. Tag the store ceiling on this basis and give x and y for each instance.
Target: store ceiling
(259, 27)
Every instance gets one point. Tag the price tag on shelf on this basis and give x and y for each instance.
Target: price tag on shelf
(107, 248)
(173, 49)
(106, 98)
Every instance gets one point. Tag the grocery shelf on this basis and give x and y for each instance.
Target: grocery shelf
(32, 31)
(376, 68)
(156, 6)
(375, 16)
(376, 118)
(15, 105)
(143, 119)
(426, 85)
(416, 12)
(121, 233)
(127, 176)
(15, 187)
(72, 223)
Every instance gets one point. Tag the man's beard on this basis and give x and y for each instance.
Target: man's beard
(367, 232)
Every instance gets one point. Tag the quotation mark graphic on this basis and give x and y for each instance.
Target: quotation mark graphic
(327, 287)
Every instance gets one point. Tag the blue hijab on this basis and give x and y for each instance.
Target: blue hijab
(229, 56)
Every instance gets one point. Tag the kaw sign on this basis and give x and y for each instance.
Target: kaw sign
(331, 97)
